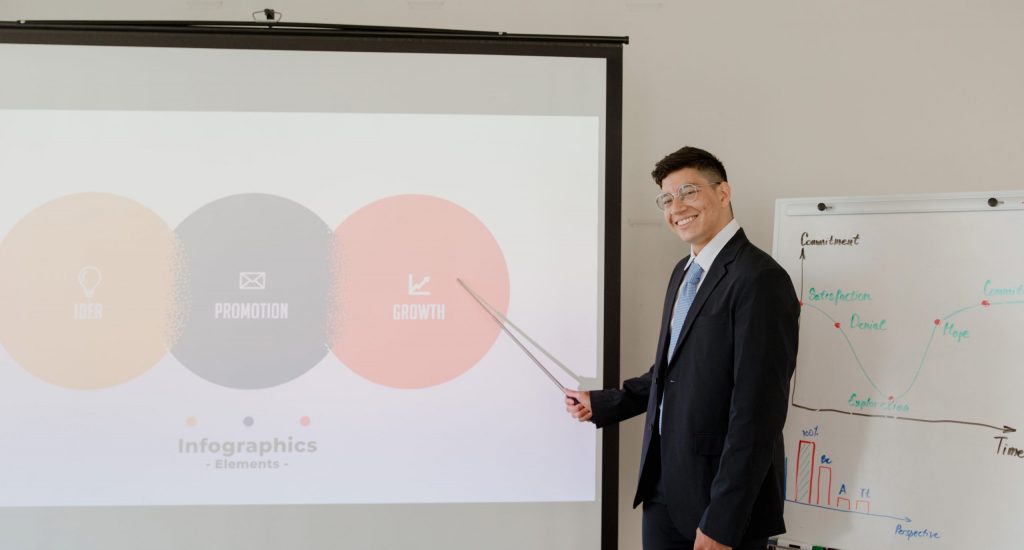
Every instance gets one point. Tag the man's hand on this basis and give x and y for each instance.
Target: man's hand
(705, 542)
(580, 408)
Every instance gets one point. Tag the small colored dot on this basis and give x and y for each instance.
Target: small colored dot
(985, 303)
(837, 325)
(191, 422)
(937, 322)
(248, 421)
(304, 421)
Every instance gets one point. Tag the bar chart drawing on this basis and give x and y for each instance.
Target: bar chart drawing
(813, 486)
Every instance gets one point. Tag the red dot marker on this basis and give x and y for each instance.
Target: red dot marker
(801, 303)
(985, 303)
(304, 421)
(837, 325)
(890, 398)
(938, 322)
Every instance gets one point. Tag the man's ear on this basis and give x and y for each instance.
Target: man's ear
(726, 191)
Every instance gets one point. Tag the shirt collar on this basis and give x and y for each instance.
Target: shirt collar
(710, 251)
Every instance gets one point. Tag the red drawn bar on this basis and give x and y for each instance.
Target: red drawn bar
(802, 447)
(825, 472)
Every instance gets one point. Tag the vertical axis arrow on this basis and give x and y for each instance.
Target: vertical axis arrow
(802, 258)
(792, 393)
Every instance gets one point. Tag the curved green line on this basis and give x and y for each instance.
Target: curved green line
(849, 343)
(961, 310)
(927, 347)
(920, 366)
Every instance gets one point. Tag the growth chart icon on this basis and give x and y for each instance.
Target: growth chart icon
(416, 289)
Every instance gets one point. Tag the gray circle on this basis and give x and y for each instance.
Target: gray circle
(248, 421)
(257, 280)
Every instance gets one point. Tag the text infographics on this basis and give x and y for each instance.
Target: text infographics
(250, 291)
(905, 391)
(195, 325)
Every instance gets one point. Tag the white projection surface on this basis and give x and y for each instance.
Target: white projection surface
(231, 280)
(904, 425)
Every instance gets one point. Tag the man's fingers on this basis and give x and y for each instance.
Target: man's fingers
(579, 412)
(576, 405)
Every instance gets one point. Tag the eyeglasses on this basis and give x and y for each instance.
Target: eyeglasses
(686, 193)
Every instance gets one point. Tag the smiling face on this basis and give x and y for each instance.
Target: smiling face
(698, 220)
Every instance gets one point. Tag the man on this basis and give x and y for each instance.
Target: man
(711, 469)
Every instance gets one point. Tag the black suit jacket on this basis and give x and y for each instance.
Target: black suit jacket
(726, 396)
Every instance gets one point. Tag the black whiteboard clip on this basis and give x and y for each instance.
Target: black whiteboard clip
(269, 14)
(823, 207)
(994, 202)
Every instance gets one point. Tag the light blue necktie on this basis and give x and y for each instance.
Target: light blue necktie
(683, 303)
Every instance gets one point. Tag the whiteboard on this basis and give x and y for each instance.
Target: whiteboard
(909, 374)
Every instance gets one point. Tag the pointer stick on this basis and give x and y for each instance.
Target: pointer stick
(494, 315)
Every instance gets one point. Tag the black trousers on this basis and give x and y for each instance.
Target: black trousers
(659, 531)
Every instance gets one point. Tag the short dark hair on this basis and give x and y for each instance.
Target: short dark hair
(690, 157)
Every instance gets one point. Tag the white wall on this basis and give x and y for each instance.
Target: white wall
(797, 97)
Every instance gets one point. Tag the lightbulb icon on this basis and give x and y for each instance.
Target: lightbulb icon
(89, 277)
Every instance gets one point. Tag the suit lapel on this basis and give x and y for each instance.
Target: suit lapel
(670, 302)
(714, 276)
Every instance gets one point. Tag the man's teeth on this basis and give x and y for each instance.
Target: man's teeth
(685, 221)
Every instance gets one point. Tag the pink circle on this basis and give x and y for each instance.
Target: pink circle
(401, 318)
(304, 421)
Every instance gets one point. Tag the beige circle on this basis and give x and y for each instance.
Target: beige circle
(87, 285)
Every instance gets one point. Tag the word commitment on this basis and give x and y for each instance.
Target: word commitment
(832, 240)
(990, 289)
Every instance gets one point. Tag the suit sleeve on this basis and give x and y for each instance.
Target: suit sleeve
(616, 405)
(765, 335)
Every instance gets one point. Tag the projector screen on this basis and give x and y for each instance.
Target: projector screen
(230, 277)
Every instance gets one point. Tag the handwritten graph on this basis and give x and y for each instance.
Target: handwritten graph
(905, 400)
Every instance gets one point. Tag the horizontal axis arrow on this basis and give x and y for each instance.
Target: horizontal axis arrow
(1004, 429)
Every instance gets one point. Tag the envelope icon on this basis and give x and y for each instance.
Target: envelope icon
(252, 280)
